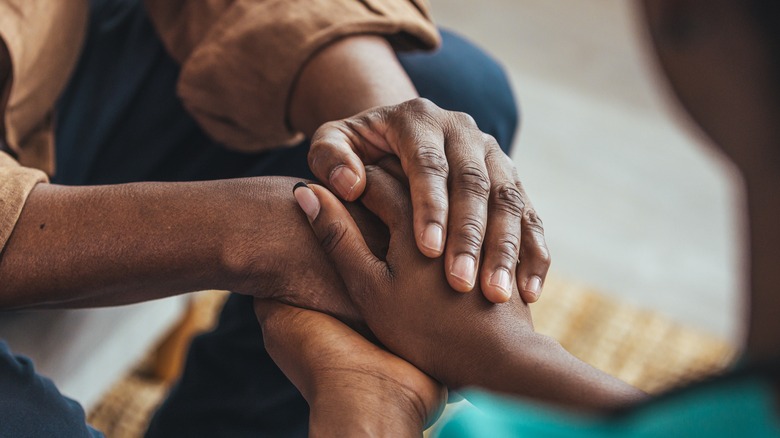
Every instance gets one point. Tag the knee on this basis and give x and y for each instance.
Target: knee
(462, 77)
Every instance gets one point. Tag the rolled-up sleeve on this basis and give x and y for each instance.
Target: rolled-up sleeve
(16, 183)
(44, 39)
(41, 42)
(240, 59)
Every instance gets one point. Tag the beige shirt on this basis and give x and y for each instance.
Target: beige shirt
(239, 60)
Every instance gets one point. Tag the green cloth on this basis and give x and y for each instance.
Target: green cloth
(731, 407)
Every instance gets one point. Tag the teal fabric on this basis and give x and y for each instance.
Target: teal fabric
(742, 407)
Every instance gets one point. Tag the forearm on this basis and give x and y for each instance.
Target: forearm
(539, 367)
(345, 78)
(109, 245)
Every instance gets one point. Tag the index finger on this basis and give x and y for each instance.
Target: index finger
(332, 159)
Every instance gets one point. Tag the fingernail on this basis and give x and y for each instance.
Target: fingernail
(307, 200)
(432, 237)
(344, 180)
(533, 285)
(463, 268)
(502, 280)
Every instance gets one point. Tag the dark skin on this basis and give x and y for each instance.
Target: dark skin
(723, 69)
(410, 308)
(235, 234)
(469, 203)
(407, 401)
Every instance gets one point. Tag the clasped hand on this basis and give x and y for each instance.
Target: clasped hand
(407, 304)
(467, 204)
(466, 198)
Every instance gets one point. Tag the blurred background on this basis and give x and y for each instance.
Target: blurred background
(633, 201)
(643, 222)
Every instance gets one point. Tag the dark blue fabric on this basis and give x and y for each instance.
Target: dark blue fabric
(119, 120)
(31, 406)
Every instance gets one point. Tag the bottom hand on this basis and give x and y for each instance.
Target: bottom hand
(352, 386)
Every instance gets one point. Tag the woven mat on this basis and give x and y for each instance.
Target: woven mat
(641, 347)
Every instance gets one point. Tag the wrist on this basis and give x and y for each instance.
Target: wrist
(257, 248)
(362, 412)
(347, 77)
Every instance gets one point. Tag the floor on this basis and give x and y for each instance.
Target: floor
(634, 201)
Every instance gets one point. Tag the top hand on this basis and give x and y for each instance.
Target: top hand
(446, 158)
(294, 271)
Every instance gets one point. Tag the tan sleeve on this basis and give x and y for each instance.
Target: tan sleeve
(16, 182)
(240, 58)
(44, 38)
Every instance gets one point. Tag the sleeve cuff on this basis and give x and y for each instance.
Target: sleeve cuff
(16, 183)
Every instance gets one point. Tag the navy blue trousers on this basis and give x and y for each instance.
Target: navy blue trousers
(120, 121)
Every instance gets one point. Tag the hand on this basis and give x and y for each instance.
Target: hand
(447, 159)
(348, 382)
(275, 255)
(405, 300)
(460, 340)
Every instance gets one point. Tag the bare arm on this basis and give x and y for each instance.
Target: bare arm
(345, 78)
(108, 245)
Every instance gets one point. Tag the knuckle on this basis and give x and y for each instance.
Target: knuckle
(462, 119)
(542, 255)
(473, 178)
(470, 233)
(533, 221)
(435, 201)
(536, 246)
(491, 142)
(430, 160)
(423, 105)
(420, 110)
(322, 142)
(315, 152)
(332, 125)
(518, 183)
(508, 249)
(497, 157)
(508, 199)
(334, 233)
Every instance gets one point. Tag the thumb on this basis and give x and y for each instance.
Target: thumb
(340, 237)
(333, 160)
